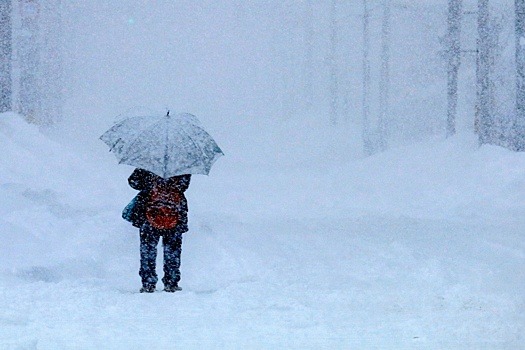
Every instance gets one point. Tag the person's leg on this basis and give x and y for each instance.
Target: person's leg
(149, 239)
(172, 243)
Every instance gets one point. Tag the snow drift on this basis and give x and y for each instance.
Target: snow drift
(419, 247)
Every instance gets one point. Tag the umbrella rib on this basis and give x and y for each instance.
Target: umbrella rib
(207, 134)
(125, 154)
(115, 144)
(193, 142)
(126, 157)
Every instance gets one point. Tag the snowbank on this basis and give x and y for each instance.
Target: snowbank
(418, 247)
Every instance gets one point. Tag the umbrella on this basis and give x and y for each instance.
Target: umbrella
(166, 145)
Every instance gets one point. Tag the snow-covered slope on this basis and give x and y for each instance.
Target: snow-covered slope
(420, 247)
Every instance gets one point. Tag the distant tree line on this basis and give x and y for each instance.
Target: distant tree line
(30, 32)
(491, 126)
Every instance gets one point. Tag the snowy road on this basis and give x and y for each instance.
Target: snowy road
(345, 288)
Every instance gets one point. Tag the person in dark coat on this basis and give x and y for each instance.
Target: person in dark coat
(144, 181)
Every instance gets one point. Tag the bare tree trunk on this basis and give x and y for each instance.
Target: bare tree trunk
(334, 83)
(6, 51)
(29, 55)
(367, 143)
(519, 124)
(384, 84)
(455, 13)
(483, 68)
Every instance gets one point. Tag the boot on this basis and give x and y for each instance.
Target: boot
(147, 288)
(172, 288)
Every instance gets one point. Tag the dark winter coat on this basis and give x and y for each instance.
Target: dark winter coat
(143, 180)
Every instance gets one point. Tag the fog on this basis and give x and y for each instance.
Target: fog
(298, 239)
(235, 63)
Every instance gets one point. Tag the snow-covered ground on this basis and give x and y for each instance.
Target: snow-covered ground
(421, 247)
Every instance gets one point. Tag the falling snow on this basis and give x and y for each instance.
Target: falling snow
(300, 237)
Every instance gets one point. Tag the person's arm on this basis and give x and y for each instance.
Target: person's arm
(140, 179)
(184, 182)
(181, 182)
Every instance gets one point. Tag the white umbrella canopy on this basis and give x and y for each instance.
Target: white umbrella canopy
(165, 145)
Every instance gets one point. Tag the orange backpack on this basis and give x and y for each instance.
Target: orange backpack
(162, 206)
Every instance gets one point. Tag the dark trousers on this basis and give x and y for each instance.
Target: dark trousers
(172, 243)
